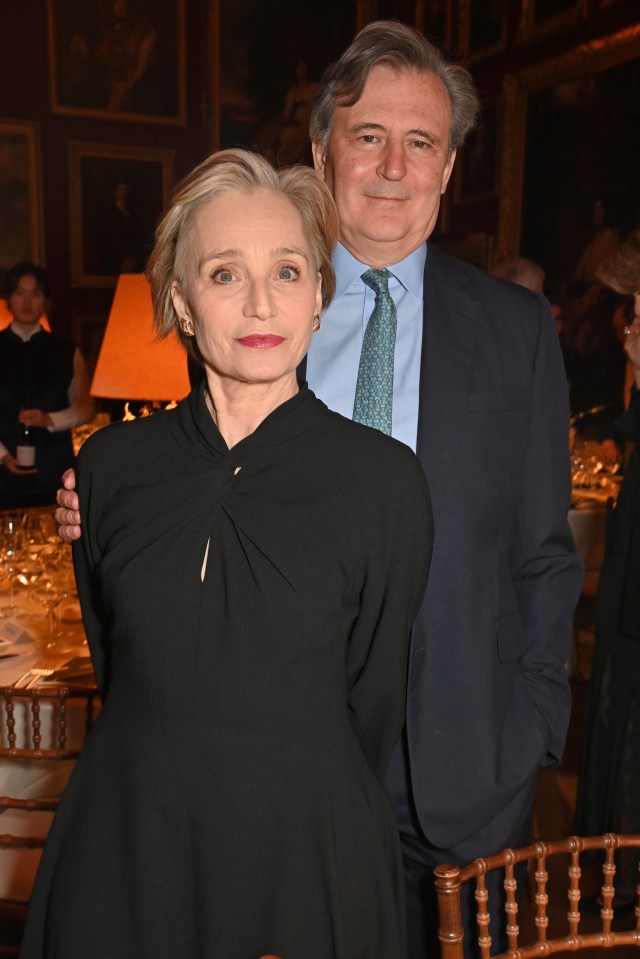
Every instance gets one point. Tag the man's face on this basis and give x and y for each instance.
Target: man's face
(388, 163)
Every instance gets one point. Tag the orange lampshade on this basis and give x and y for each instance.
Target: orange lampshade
(132, 364)
(6, 318)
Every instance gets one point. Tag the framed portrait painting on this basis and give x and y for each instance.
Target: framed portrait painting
(21, 232)
(117, 194)
(268, 59)
(118, 59)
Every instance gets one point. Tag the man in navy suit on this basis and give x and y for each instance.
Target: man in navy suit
(479, 392)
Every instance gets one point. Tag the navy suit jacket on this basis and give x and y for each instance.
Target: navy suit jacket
(488, 699)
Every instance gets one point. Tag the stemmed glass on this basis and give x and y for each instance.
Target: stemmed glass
(11, 551)
(48, 587)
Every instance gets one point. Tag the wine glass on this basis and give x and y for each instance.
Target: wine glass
(48, 594)
(11, 553)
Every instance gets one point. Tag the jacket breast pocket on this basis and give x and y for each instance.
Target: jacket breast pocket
(496, 401)
(510, 637)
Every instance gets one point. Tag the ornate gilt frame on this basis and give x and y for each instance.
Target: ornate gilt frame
(28, 183)
(78, 152)
(584, 60)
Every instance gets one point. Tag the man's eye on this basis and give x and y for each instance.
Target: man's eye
(368, 138)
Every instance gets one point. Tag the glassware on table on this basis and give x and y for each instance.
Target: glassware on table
(11, 554)
(48, 594)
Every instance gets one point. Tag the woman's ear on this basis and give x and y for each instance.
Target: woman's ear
(182, 309)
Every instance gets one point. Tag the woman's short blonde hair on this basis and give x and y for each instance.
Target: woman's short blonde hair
(235, 171)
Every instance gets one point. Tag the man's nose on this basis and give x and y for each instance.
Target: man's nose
(393, 165)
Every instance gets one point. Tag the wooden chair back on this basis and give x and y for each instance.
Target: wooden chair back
(42, 731)
(36, 723)
(573, 932)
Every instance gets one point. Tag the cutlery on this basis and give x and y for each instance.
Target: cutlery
(37, 675)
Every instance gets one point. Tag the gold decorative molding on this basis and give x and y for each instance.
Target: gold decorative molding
(588, 58)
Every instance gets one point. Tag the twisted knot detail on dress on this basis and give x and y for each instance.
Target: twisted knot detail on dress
(373, 402)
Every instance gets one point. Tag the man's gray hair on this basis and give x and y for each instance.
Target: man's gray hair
(401, 48)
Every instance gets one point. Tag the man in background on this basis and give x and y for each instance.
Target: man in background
(467, 370)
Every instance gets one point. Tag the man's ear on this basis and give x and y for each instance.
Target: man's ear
(319, 157)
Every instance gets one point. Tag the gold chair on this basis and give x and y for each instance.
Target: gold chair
(539, 936)
(42, 730)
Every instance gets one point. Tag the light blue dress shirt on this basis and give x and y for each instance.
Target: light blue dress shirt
(334, 354)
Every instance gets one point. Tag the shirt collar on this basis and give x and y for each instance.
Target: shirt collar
(21, 334)
(409, 272)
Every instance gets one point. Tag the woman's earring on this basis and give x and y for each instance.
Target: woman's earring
(316, 323)
(187, 327)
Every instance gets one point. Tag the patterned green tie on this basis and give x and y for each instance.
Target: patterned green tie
(374, 390)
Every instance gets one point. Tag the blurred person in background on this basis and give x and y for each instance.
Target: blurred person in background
(44, 393)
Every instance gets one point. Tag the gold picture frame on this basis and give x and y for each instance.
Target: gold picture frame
(21, 219)
(117, 194)
(116, 62)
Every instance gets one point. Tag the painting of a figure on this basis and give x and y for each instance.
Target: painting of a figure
(117, 195)
(270, 58)
(20, 203)
(119, 58)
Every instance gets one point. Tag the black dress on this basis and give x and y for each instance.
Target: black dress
(228, 802)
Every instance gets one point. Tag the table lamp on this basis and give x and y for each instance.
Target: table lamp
(133, 364)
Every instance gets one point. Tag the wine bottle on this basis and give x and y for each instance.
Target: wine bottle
(26, 447)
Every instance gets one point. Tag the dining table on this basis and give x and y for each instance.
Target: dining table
(43, 648)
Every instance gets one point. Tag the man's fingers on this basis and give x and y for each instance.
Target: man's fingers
(68, 499)
(69, 533)
(69, 481)
(67, 517)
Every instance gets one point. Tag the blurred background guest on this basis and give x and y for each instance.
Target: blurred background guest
(609, 784)
(44, 392)
(517, 269)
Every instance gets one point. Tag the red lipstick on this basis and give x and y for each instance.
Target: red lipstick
(260, 341)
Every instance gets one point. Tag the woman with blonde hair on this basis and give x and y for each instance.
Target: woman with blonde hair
(249, 573)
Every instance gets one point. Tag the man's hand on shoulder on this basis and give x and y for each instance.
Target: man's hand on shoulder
(68, 514)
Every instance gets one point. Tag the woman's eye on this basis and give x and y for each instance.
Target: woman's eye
(288, 273)
(223, 276)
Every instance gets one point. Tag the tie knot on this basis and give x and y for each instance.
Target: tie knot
(377, 280)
